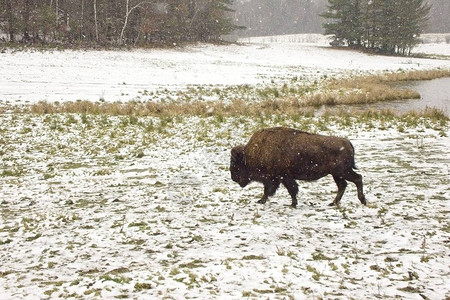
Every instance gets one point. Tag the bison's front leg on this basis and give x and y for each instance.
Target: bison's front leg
(270, 187)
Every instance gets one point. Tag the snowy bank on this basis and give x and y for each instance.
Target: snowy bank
(30, 76)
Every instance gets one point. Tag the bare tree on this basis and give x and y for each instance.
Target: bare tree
(82, 20)
(95, 20)
(11, 20)
(128, 11)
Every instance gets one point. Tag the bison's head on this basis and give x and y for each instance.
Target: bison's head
(239, 172)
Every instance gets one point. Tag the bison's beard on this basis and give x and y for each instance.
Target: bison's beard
(243, 184)
(241, 179)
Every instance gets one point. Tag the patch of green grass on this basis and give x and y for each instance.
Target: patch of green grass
(16, 172)
(220, 190)
(160, 209)
(253, 257)
(50, 292)
(410, 289)
(102, 172)
(318, 255)
(174, 272)
(120, 270)
(333, 266)
(248, 294)
(115, 278)
(426, 258)
(75, 282)
(95, 292)
(6, 241)
(316, 274)
(193, 264)
(34, 237)
(138, 224)
(6, 273)
(138, 287)
(258, 291)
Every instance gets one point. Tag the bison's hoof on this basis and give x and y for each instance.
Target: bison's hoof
(261, 201)
(363, 201)
(331, 204)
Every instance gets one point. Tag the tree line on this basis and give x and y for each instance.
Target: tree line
(115, 22)
(387, 26)
(274, 17)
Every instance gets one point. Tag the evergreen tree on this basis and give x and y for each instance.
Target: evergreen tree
(414, 19)
(214, 21)
(388, 26)
(346, 22)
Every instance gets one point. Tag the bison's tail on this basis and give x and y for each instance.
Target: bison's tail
(353, 158)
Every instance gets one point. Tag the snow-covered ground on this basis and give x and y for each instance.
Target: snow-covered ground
(433, 48)
(31, 76)
(107, 207)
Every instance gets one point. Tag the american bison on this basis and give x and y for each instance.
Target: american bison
(283, 155)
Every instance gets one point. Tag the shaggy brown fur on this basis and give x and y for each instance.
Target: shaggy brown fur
(283, 155)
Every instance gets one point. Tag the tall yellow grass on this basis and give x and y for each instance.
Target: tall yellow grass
(358, 90)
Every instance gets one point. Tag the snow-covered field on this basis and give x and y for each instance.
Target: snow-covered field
(110, 207)
(148, 75)
(105, 207)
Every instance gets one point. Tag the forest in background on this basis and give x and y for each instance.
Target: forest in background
(115, 22)
(143, 22)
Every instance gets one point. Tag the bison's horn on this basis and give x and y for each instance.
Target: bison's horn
(237, 153)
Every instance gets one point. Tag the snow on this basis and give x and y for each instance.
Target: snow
(30, 76)
(439, 49)
(101, 207)
(85, 217)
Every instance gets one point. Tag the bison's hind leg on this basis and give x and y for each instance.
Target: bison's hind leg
(270, 187)
(357, 180)
(341, 184)
(292, 187)
(340, 180)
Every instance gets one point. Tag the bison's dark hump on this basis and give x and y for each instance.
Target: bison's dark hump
(276, 145)
(277, 135)
(282, 130)
(271, 145)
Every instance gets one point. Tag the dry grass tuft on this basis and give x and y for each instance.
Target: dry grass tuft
(198, 108)
(432, 113)
(415, 75)
(357, 92)
(370, 88)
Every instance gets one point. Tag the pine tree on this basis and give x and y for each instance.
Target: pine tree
(387, 26)
(346, 22)
(414, 18)
(215, 21)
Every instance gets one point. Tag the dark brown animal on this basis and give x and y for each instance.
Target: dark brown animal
(283, 155)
